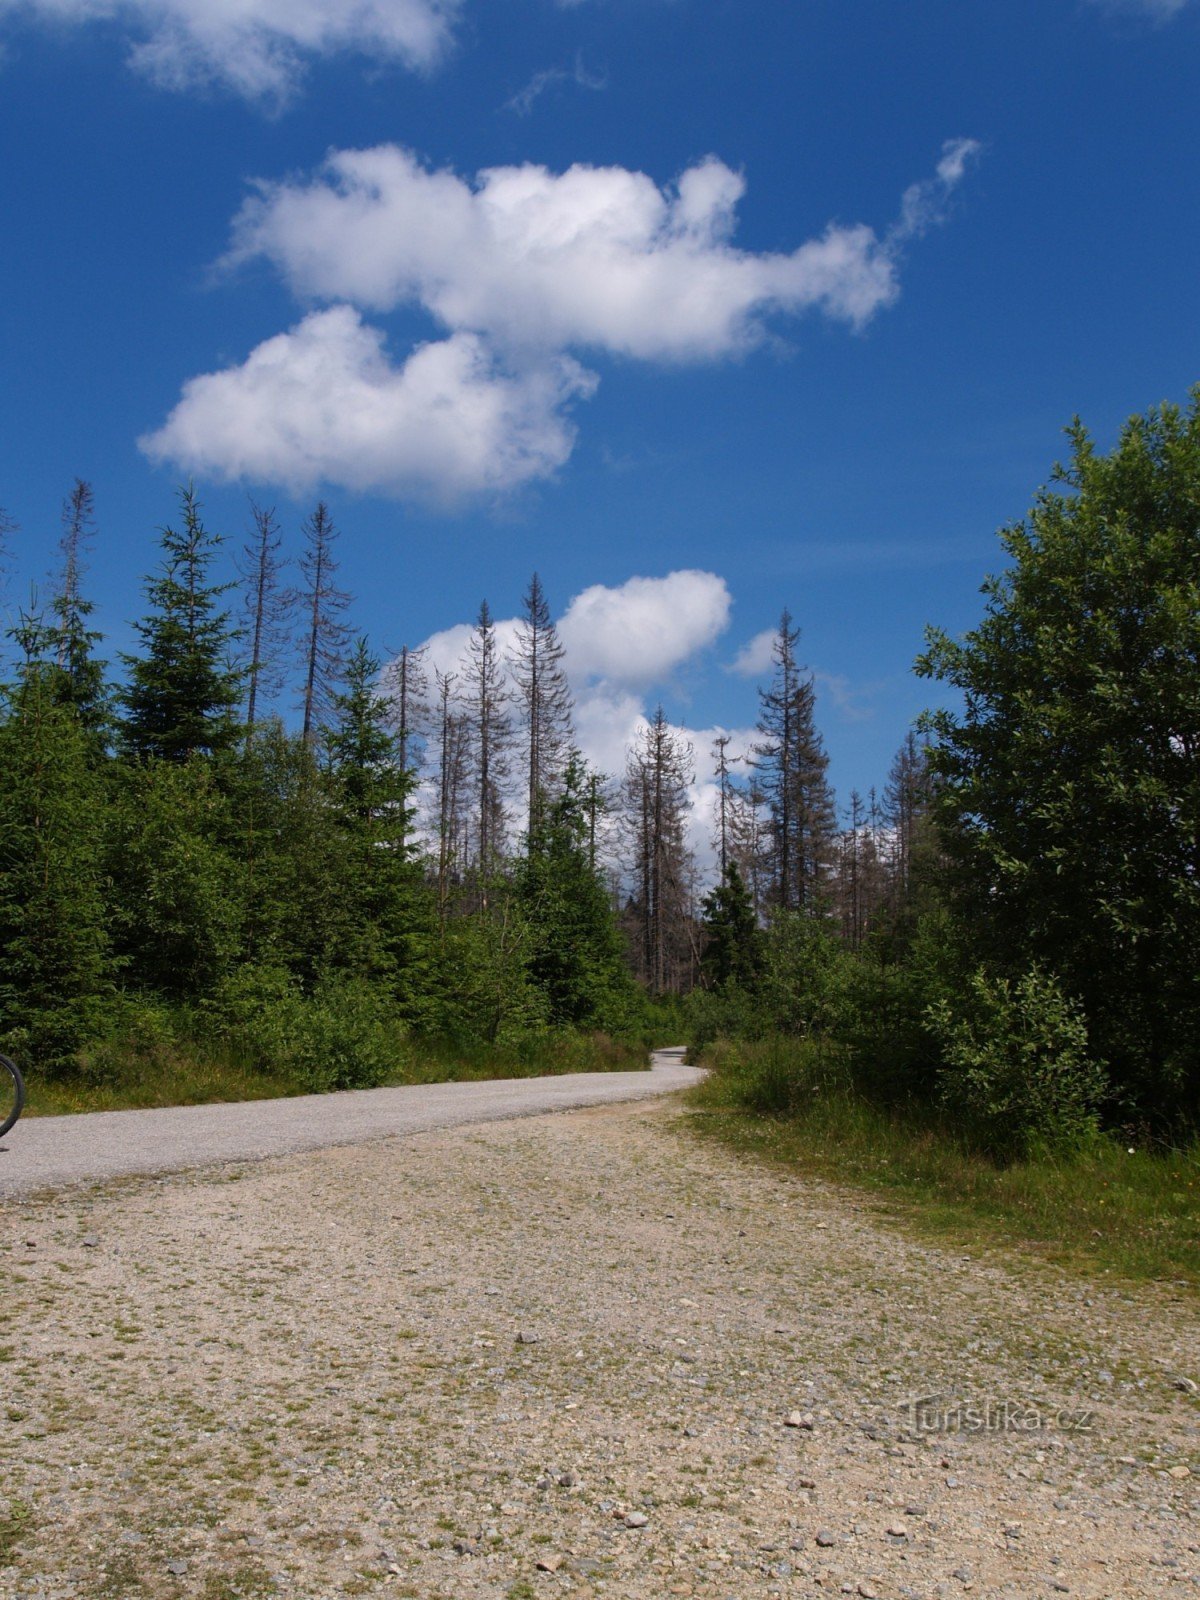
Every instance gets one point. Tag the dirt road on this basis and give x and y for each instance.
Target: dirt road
(52, 1152)
(586, 1354)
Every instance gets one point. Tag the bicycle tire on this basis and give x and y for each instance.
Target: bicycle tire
(12, 1094)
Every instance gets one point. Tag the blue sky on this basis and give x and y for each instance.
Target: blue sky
(793, 299)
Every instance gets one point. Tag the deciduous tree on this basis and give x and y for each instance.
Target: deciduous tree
(1068, 785)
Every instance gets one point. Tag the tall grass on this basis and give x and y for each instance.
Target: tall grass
(1100, 1206)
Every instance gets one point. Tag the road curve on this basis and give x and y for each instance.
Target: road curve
(56, 1152)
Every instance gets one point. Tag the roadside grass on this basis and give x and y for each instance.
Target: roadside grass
(184, 1074)
(1099, 1209)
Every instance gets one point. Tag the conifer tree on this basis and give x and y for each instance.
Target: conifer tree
(485, 703)
(266, 606)
(372, 793)
(81, 680)
(407, 686)
(732, 941)
(906, 800)
(659, 770)
(792, 763)
(182, 692)
(576, 956)
(724, 817)
(56, 968)
(544, 696)
(449, 820)
(323, 605)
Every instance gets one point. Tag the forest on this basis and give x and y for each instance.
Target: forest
(254, 844)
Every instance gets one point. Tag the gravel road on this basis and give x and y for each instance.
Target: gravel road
(592, 1354)
(51, 1152)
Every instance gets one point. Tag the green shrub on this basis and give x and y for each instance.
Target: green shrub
(136, 1032)
(1016, 1063)
(345, 1035)
(777, 1076)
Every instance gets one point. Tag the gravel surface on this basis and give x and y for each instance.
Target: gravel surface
(588, 1354)
(50, 1152)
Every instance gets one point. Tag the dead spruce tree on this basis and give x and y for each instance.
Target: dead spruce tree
(792, 763)
(406, 685)
(266, 606)
(323, 605)
(658, 774)
(484, 698)
(544, 697)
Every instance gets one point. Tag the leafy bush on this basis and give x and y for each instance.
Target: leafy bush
(1016, 1063)
(345, 1035)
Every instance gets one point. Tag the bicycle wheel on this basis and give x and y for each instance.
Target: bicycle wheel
(12, 1094)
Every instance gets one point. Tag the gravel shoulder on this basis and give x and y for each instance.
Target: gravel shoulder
(587, 1354)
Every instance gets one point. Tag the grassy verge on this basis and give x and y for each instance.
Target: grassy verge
(170, 1073)
(1100, 1209)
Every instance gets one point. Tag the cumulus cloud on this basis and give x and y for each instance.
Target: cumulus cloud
(324, 402)
(594, 257)
(654, 623)
(757, 656)
(256, 47)
(519, 266)
(638, 633)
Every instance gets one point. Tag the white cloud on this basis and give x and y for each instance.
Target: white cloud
(594, 257)
(526, 98)
(519, 266)
(323, 402)
(448, 651)
(924, 204)
(659, 623)
(757, 656)
(257, 47)
(635, 635)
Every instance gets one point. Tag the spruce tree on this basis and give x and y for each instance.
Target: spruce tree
(182, 693)
(733, 950)
(266, 606)
(323, 606)
(56, 968)
(407, 686)
(792, 763)
(544, 696)
(81, 678)
(576, 957)
(659, 771)
(371, 790)
(485, 702)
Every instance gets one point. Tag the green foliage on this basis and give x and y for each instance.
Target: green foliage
(484, 989)
(1068, 790)
(732, 942)
(575, 956)
(378, 886)
(57, 967)
(777, 1076)
(1100, 1206)
(346, 1035)
(182, 695)
(176, 890)
(1016, 1063)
